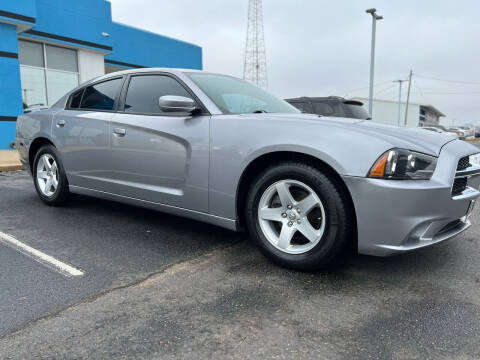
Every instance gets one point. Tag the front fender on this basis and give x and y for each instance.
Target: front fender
(293, 148)
(236, 141)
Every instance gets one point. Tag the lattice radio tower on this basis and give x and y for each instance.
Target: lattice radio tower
(255, 65)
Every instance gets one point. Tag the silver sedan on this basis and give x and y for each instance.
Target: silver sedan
(217, 149)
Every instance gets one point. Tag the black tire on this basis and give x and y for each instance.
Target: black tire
(61, 194)
(336, 236)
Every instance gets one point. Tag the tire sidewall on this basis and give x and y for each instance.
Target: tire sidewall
(62, 187)
(318, 255)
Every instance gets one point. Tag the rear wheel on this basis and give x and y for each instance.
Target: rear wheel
(49, 176)
(298, 216)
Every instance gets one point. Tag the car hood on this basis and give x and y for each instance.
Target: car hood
(415, 139)
(411, 138)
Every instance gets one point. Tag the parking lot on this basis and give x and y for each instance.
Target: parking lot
(160, 286)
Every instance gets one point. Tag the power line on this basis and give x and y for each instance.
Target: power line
(448, 89)
(447, 80)
(385, 89)
(451, 92)
(420, 90)
(363, 87)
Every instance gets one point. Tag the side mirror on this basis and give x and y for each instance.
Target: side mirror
(179, 104)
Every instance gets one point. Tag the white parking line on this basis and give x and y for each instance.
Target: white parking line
(39, 256)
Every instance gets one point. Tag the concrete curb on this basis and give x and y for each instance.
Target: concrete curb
(6, 168)
(9, 161)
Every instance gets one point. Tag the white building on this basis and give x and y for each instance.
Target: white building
(386, 112)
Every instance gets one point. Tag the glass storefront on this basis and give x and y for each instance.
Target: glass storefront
(47, 72)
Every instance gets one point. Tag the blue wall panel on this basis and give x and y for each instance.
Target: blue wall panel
(24, 8)
(8, 38)
(10, 89)
(7, 134)
(83, 20)
(143, 48)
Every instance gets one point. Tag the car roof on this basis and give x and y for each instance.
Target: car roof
(174, 71)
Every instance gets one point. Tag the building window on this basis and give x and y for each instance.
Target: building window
(47, 72)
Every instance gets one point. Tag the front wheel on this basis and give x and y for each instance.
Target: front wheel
(298, 216)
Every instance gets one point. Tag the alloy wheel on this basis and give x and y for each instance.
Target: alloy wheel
(47, 175)
(291, 216)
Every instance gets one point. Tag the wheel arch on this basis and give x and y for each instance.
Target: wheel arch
(35, 146)
(252, 170)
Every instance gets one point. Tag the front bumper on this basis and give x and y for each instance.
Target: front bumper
(404, 215)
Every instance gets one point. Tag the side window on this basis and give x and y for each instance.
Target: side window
(322, 108)
(101, 96)
(145, 90)
(75, 99)
(339, 110)
(303, 106)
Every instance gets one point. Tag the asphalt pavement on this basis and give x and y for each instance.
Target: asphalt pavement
(159, 286)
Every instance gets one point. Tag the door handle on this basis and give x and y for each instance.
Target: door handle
(119, 132)
(60, 123)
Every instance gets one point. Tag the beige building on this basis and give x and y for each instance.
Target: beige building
(386, 112)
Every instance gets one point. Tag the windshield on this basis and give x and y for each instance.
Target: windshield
(235, 96)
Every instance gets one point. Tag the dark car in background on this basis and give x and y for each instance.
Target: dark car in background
(331, 106)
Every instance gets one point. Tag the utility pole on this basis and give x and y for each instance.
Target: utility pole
(375, 17)
(399, 100)
(408, 95)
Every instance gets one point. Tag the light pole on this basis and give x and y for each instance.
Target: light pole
(375, 17)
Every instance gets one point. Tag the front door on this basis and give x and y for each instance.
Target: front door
(157, 156)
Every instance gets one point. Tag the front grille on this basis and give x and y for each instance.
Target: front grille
(461, 180)
(463, 163)
(459, 185)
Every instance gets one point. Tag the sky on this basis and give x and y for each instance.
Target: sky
(322, 48)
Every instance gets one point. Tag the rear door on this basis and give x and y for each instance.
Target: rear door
(81, 134)
(156, 156)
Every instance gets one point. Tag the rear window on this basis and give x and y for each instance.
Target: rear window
(75, 99)
(357, 111)
(101, 96)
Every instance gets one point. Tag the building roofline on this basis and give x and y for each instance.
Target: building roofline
(434, 109)
(154, 33)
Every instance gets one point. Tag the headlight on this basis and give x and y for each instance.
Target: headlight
(400, 164)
